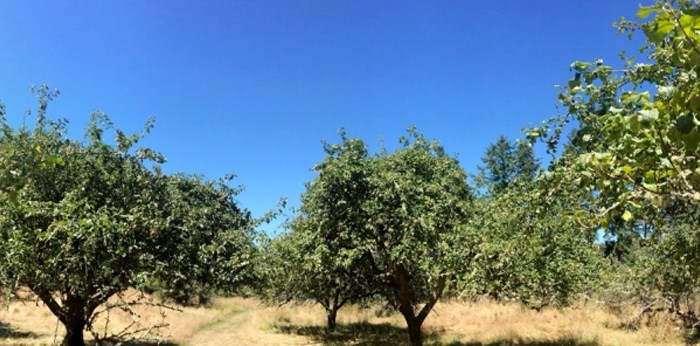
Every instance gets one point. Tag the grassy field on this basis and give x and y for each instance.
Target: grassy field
(239, 321)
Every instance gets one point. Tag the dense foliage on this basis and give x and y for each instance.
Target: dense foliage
(377, 225)
(405, 227)
(210, 241)
(505, 163)
(636, 147)
(418, 202)
(83, 221)
(530, 249)
(318, 259)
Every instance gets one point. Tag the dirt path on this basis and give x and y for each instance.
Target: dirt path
(242, 326)
(210, 333)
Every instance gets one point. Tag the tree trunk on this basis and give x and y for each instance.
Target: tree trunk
(73, 313)
(331, 314)
(74, 332)
(403, 297)
(414, 325)
(414, 333)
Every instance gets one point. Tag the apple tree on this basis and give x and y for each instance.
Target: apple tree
(84, 220)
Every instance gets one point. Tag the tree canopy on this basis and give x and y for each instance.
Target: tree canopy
(505, 162)
(381, 224)
(635, 147)
(81, 221)
(318, 258)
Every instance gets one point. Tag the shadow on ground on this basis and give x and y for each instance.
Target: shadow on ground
(557, 342)
(131, 343)
(367, 334)
(8, 332)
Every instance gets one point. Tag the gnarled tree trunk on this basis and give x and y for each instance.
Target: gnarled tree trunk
(74, 313)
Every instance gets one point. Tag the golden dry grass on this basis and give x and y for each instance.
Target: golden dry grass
(239, 321)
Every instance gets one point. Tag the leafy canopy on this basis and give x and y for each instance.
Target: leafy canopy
(81, 221)
(317, 260)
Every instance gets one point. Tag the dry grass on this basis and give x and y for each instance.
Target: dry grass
(23, 323)
(238, 321)
(493, 323)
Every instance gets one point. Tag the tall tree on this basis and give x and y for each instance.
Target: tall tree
(505, 162)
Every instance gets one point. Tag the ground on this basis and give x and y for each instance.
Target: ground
(246, 321)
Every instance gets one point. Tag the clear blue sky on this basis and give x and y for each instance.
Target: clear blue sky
(253, 87)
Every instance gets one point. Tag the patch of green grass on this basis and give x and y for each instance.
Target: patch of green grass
(221, 320)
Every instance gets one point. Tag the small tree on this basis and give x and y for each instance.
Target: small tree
(418, 203)
(317, 260)
(83, 221)
(419, 200)
(412, 205)
(303, 269)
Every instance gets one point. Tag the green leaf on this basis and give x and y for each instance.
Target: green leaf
(648, 116)
(574, 83)
(615, 110)
(55, 160)
(580, 66)
(690, 22)
(635, 99)
(657, 31)
(650, 187)
(691, 141)
(627, 216)
(650, 176)
(645, 11)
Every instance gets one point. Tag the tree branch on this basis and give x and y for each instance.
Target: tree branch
(429, 306)
(51, 303)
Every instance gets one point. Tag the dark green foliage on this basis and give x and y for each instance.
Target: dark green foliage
(211, 237)
(506, 162)
(418, 203)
